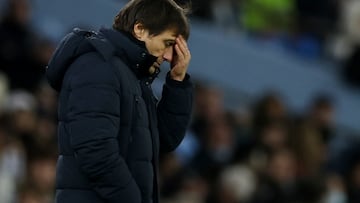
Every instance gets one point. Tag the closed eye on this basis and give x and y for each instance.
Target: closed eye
(169, 43)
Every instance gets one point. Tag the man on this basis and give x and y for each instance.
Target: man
(18, 60)
(111, 128)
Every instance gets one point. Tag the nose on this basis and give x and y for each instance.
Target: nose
(168, 54)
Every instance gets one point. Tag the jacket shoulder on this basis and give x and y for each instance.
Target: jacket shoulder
(91, 68)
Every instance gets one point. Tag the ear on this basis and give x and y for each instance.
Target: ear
(139, 31)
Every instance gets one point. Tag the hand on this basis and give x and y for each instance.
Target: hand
(181, 59)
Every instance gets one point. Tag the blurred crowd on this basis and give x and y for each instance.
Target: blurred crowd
(28, 146)
(259, 153)
(262, 153)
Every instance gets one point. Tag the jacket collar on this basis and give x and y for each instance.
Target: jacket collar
(134, 53)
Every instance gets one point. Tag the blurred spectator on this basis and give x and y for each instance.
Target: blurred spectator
(4, 90)
(336, 191)
(209, 106)
(41, 175)
(47, 102)
(345, 47)
(271, 138)
(347, 36)
(237, 184)
(171, 174)
(43, 50)
(310, 151)
(12, 164)
(269, 107)
(18, 60)
(353, 182)
(20, 106)
(217, 150)
(312, 135)
(179, 183)
(193, 189)
(245, 140)
(30, 195)
(36, 133)
(279, 183)
(322, 116)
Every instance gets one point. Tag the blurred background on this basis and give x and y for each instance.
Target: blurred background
(277, 103)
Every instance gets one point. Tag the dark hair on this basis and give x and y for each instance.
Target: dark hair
(155, 15)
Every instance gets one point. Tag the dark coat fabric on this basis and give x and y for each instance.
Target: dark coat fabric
(111, 127)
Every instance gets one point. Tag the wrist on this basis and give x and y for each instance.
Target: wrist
(177, 77)
(185, 83)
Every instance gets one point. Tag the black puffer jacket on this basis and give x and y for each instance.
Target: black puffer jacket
(111, 127)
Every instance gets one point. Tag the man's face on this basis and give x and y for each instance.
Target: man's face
(160, 46)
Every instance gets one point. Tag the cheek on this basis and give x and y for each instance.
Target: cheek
(155, 49)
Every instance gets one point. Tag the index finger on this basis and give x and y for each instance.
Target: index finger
(183, 41)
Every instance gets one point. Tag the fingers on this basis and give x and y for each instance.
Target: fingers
(182, 48)
(182, 59)
(179, 53)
